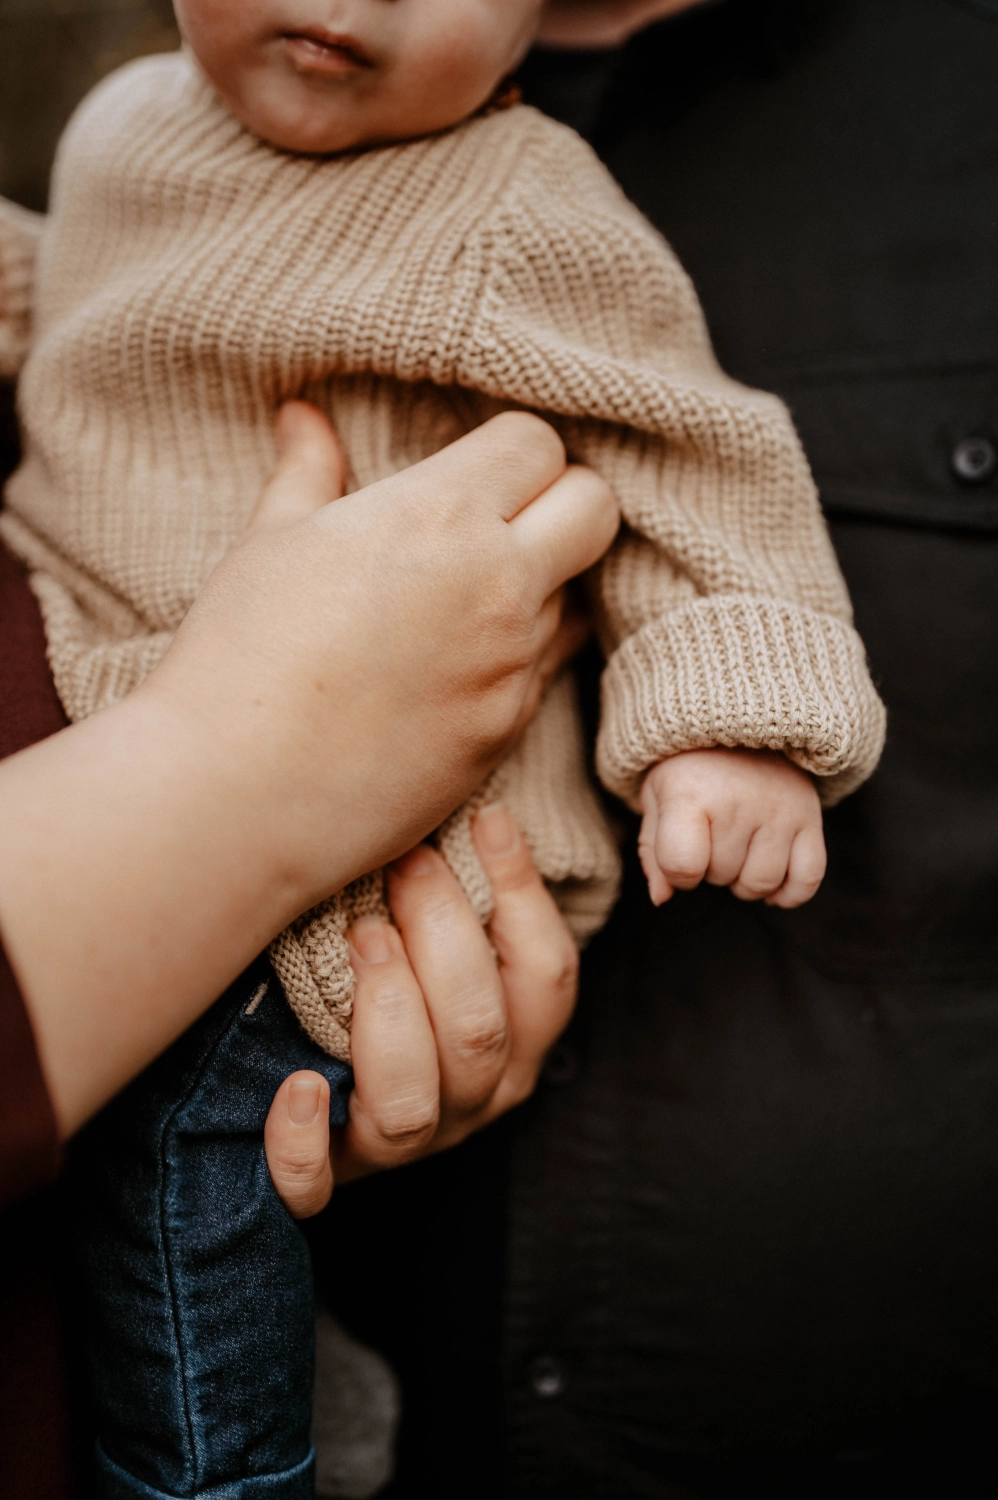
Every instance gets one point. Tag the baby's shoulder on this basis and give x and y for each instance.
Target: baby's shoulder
(551, 187)
(532, 150)
(140, 97)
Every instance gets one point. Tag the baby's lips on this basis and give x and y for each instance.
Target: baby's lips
(334, 55)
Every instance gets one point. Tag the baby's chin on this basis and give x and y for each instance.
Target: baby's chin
(326, 128)
(305, 134)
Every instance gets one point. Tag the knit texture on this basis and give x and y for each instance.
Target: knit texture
(191, 278)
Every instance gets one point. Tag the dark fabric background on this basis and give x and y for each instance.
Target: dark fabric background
(743, 1240)
(748, 1222)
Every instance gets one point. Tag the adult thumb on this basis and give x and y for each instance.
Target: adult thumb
(296, 1140)
(311, 468)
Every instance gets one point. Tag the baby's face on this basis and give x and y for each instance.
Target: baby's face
(331, 75)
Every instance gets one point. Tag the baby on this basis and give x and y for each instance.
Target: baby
(338, 200)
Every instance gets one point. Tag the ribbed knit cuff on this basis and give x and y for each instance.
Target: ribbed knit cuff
(20, 234)
(735, 670)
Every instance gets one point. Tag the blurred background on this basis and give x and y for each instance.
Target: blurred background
(51, 53)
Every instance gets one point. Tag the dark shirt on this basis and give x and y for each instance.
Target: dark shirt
(742, 1241)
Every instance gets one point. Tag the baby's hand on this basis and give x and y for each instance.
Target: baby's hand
(743, 818)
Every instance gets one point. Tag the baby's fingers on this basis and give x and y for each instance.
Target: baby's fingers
(805, 871)
(764, 870)
(659, 888)
(682, 843)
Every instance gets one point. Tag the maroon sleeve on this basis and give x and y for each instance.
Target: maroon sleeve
(29, 1142)
(29, 711)
(29, 707)
(38, 1457)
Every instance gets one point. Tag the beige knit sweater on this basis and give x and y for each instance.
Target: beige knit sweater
(190, 278)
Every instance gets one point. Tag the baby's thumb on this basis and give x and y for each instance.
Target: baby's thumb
(296, 1140)
(311, 469)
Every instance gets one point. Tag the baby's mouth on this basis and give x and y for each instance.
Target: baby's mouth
(333, 55)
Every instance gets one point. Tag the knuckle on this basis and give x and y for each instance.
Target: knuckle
(387, 996)
(479, 1036)
(407, 1124)
(506, 612)
(438, 913)
(481, 1044)
(295, 1169)
(558, 969)
(514, 872)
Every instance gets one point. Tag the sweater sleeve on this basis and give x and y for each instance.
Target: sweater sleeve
(723, 613)
(20, 235)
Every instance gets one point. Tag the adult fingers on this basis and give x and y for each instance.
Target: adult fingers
(805, 871)
(296, 1142)
(497, 468)
(569, 527)
(566, 634)
(395, 1106)
(574, 629)
(457, 973)
(538, 959)
(311, 469)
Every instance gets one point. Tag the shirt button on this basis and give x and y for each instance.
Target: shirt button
(547, 1378)
(562, 1067)
(974, 460)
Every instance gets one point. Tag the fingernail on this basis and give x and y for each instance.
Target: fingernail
(303, 1100)
(418, 861)
(496, 829)
(369, 935)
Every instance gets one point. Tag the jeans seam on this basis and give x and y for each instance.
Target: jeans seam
(196, 1461)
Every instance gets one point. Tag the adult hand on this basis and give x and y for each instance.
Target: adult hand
(601, 23)
(447, 1034)
(350, 672)
(420, 618)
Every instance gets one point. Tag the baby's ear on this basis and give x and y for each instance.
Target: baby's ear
(600, 23)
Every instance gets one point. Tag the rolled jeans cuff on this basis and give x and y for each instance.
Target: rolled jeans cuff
(298, 1483)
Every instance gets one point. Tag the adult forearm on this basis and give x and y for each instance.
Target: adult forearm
(133, 887)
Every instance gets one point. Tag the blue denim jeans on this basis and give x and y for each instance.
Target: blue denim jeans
(199, 1283)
